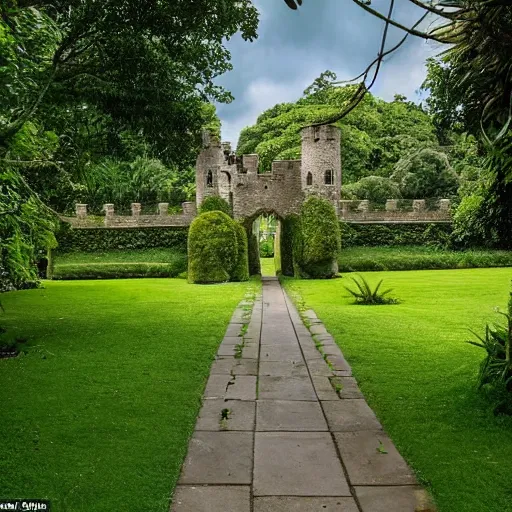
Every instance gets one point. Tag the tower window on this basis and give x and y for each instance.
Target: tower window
(329, 177)
(309, 179)
(209, 179)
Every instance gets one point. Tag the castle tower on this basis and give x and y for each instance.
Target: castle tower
(208, 166)
(321, 162)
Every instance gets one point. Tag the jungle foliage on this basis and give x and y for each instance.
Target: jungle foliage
(104, 102)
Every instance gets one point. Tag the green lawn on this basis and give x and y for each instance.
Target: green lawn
(97, 416)
(419, 376)
(268, 267)
(362, 259)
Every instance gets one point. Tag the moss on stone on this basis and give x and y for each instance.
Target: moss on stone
(212, 248)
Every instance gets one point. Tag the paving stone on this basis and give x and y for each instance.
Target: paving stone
(310, 314)
(289, 416)
(304, 504)
(338, 373)
(241, 415)
(280, 353)
(297, 464)
(285, 388)
(319, 367)
(219, 458)
(318, 329)
(350, 416)
(339, 363)
(227, 350)
(364, 456)
(331, 351)
(325, 339)
(283, 369)
(349, 387)
(250, 351)
(233, 330)
(324, 389)
(311, 353)
(212, 499)
(230, 365)
(243, 387)
(231, 340)
(398, 499)
(216, 386)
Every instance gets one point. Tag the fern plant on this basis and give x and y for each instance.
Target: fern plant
(365, 295)
(496, 368)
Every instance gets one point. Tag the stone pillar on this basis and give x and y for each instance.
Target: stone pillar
(109, 210)
(364, 205)
(81, 210)
(189, 208)
(163, 209)
(392, 205)
(418, 205)
(444, 205)
(136, 208)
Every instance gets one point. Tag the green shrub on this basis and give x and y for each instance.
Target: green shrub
(367, 259)
(376, 189)
(373, 235)
(496, 368)
(289, 232)
(317, 249)
(366, 296)
(212, 248)
(267, 248)
(254, 253)
(468, 229)
(107, 239)
(215, 204)
(117, 270)
(241, 270)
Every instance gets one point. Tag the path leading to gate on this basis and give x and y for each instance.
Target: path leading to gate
(284, 427)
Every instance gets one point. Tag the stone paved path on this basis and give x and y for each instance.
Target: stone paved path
(284, 427)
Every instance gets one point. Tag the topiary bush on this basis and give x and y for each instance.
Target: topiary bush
(317, 248)
(241, 270)
(212, 248)
(215, 204)
(254, 252)
(289, 232)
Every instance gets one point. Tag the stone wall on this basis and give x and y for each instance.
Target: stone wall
(136, 220)
(394, 212)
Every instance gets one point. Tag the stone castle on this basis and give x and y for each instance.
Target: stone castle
(282, 190)
(279, 191)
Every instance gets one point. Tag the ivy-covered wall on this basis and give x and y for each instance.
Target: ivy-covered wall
(104, 239)
(372, 235)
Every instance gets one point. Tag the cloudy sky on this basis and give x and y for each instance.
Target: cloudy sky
(294, 47)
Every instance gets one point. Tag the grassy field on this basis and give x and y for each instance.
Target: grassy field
(268, 267)
(420, 377)
(97, 415)
(363, 259)
(119, 264)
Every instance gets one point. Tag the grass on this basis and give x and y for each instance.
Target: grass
(363, 259)
(420, 377)
(120, 264)
(97, 415)
(268, 267)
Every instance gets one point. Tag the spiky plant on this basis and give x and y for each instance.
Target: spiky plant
(496, 368)
(365, 295)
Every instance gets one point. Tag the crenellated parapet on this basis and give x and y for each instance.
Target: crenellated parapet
(110, 219)
(396, 211)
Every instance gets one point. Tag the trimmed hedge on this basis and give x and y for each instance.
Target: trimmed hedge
(106, 239)
(317, 247)
(373, 235)
(215, 204)
(254, 252)
(241, 270)
(289, 226)
(117, 270)
(214, 252)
